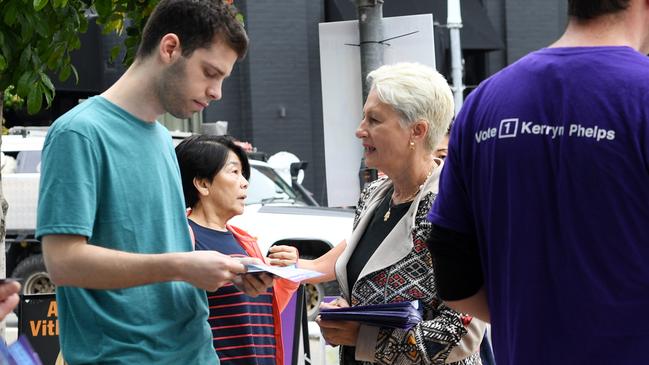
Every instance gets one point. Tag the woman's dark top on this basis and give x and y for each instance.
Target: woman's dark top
(376, 231)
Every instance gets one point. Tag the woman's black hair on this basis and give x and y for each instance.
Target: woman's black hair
(203, 156)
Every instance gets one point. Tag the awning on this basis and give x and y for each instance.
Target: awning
(477, 32)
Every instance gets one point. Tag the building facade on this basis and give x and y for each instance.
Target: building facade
(273, 98)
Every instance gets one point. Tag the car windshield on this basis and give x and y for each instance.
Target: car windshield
(266, 186)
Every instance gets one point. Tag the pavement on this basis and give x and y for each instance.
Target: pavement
(321, 354)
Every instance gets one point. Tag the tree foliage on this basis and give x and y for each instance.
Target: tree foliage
(37, 36)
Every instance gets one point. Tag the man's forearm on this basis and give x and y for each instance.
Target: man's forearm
(458, 271)
(71, 261)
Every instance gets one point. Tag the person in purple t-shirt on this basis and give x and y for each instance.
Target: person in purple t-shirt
(541, 223)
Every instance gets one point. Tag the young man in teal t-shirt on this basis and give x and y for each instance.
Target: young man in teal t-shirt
(111, 209)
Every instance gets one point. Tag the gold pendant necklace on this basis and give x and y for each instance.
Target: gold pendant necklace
(386, 216)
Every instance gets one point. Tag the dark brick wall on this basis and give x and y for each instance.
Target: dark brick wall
(532, 25)
(273, 97)
(231, 106)
(525, 26)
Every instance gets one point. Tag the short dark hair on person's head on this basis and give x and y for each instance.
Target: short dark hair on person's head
(196, 23)
(203, 156)
(589, 9)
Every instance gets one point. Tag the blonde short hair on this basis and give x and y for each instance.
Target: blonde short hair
(417, 92)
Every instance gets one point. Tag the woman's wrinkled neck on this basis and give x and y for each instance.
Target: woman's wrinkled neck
(208, 217)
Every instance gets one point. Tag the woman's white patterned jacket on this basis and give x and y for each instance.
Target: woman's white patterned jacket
(401, 270)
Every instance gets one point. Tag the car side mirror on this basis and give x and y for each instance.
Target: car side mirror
(295, 169)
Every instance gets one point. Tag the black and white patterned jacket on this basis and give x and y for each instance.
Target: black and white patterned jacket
(401, 270)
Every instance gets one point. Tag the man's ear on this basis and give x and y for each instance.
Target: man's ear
(202, 186)
(169, 49)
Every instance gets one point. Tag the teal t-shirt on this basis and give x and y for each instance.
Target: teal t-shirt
(114, 178)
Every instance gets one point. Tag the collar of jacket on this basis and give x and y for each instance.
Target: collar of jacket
(397, 244)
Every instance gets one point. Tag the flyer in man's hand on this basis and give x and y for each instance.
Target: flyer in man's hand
(291, 273)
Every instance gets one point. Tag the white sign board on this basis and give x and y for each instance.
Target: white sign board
(340, 68)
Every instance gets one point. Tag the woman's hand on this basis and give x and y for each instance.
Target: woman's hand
(338, 332)
(339, 302)
(253, 284)
(283, 255)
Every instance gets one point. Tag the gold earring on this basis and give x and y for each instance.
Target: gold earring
(412, 145)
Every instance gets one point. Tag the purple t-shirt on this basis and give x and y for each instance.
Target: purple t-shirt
(548, 166)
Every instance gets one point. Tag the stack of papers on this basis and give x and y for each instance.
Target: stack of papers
(20, 352)
(402, 315)
(291, 273)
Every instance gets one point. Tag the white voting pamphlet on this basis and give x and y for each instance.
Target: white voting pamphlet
(291, 273)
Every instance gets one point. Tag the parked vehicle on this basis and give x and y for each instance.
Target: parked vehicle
(276, 213)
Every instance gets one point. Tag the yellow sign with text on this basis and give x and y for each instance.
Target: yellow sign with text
(38, 321)
(46, 327)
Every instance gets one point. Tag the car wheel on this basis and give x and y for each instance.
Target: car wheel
(313, 295)
(33, 276)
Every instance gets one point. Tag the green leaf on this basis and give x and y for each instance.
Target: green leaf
(41, 28)
(239, 18)
(3, 63)
(75, 43)
(112, 26)
(6, 51)
(26, 30)
(46, 81)
(114, 52)
(49, 95)
(39, 4)
(75, 21)
(83, 24)
(57, 4)
(55, 56)
(65, 72)
(116, 16)
(76, 74)
(10, 14)
(22, 87)
(104, 8)
(34, 100)
(26, 56)
(36, 61)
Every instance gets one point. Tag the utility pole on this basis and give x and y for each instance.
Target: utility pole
(370, 30)
(454, 23)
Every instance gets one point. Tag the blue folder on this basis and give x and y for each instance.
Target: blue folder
(402, 315)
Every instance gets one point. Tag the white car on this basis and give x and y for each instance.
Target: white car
(275, 213)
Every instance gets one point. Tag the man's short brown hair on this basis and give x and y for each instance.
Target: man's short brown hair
(589, 9)
(197, 23)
